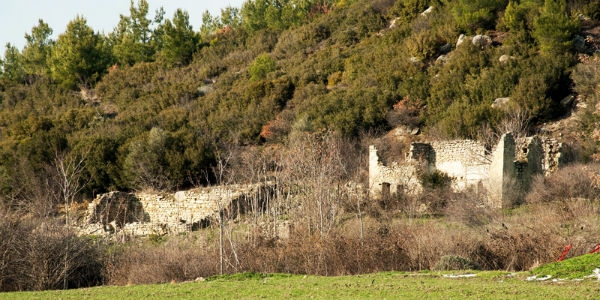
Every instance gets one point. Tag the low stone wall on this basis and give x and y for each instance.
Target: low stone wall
(147, 213)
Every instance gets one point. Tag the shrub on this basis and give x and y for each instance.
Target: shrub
(476, 15)
(553, 29)
(46, 256)
(262, 65)
(176, 259)
(435, 179)
(566, 184)
(454, 262)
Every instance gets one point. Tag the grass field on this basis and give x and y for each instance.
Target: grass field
(389, 285)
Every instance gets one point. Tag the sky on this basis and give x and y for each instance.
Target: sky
(17, 17)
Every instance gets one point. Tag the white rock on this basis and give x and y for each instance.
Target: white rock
(427, 11)
(461, 39)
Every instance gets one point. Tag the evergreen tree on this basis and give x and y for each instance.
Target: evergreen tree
(254, 14)
(210, 24)
(37, 49)
(12, 65)
(475, 14)
(79, 56)
(553, 29)
(179, 40)
(231, 16)
(262, 65)
(133, 38)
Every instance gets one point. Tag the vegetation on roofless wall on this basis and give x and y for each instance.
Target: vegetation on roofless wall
(152, 103)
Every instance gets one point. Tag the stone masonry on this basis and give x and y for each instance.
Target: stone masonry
(509, 167)
(146, 213)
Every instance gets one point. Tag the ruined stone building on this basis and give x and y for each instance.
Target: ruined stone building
(143, 213)
(498, 173)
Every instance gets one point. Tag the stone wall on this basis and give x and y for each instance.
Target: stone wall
(499, 181)
(505, 173)
(464, 160)
(387, 180)
(146, 213)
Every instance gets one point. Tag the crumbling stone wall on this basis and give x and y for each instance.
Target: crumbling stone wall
(147, 213)
(504, 173)
(388, 180)
(464, 160)
(500, 181)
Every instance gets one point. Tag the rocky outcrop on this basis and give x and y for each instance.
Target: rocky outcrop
(481, 41)
(461, 39)
(500, 102)
(505, 58)
(426, 12)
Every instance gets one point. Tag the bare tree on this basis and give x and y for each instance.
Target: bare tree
(315, 163)
(69, 179)
(221, 171)
(516, 121)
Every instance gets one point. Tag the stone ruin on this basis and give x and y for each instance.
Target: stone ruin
(509, 167)
(144, 213)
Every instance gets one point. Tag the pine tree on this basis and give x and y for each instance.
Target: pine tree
(37, 49)
(179, 40)
(79, 56)
(12, 65)
(553, 29)
(133, 38)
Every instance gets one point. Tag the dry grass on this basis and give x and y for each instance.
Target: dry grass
(560, 210)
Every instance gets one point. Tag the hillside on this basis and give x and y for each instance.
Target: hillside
(292, 92)
(170, 103)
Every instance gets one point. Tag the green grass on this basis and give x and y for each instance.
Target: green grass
(389, 285)
(572, 268)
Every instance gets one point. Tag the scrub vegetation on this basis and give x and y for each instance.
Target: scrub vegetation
(293, 92)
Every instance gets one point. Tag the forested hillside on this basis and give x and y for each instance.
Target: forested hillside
(157, 104)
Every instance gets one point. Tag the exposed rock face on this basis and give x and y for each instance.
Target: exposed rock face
(505, 58)
(441, 59)
(567, 101)
(393, 23)
(579, 44)
(426, 12)
(153, 213)
(444, 49)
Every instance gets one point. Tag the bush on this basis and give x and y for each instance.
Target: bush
(146, 263)
(435, 179)
(454, 262)
(262, 65)
(565, 185)
(473, 16)
(46, 256)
